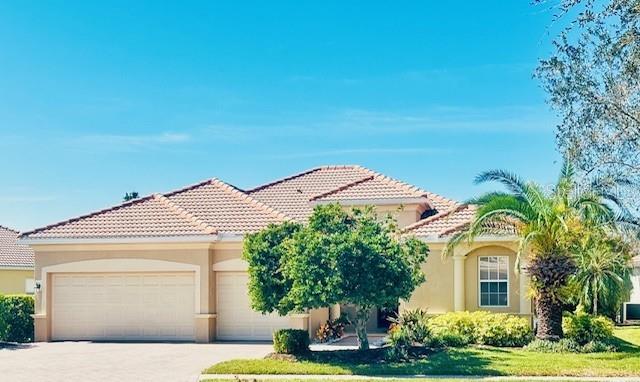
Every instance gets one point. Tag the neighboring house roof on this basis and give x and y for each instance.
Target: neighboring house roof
(12, 254)
(205, 208)
(296, 195)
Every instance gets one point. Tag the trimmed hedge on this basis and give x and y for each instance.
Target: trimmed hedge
(483, 328)
(16, 323)
(291, 341)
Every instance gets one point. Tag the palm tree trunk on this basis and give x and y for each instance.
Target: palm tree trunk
(549, 312)
(549, 273)
(595, 300)
(362, 316)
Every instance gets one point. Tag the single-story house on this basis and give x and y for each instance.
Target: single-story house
(16, 264)
(168, 266)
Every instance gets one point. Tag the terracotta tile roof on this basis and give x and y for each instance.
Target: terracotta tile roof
(292, 195)
(225, 208)
(296, 195)
(444, 223)
(12, 254)
(213, 206)
(372, 187)
(202, 209)
(447, 223)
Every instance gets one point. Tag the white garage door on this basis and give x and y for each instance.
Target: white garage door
(236, 320)
(123, 306)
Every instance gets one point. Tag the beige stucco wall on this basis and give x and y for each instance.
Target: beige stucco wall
(403, 214)
(436, 293)
(12, 281)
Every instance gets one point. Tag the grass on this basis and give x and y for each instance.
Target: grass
(369, 380)
(463, 361)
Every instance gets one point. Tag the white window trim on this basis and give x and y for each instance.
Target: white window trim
(508, 285)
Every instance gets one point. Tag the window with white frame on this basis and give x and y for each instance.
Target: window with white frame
(494, 281)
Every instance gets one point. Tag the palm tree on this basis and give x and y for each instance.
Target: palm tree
(603, 276)
(546, 223)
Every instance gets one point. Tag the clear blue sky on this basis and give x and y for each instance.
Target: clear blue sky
(100, 98)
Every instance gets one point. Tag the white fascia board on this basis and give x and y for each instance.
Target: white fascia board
(9, 268)
(234, 237)
(123, 240)
(480, 239)
(374, 202)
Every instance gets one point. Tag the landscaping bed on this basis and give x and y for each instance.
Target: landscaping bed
(472, 360)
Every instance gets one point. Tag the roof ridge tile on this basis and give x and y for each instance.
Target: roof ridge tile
(248, 198)
(185, 213)
(303, 173)
(342, 188)
(9, 229)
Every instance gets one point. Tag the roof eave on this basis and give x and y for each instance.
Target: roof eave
(16, 268)
(481, 239)
(374, 201)
(122, 240)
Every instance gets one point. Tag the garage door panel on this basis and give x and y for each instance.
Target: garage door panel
(236, 320)
(123, 306)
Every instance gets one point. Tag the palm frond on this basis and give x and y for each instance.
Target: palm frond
(511, 181)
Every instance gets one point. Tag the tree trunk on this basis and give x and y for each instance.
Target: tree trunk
(595, 300)
(362, 316)
(549, 312)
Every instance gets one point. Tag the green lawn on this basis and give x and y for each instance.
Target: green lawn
(465, 361)
(369, 380)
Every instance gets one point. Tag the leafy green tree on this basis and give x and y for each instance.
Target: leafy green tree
(603, 277)
(339, 257)
(547, 223)
(593, 81)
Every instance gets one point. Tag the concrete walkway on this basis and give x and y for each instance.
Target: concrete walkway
(258, 377)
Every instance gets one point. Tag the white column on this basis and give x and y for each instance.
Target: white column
(458, 282)
(334, 311)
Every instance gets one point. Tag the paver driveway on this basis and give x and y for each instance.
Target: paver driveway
(118, 362)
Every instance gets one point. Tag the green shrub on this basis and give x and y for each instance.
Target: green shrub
(483, 328)
(461, 324)
(565, 345)
(584, 328)
(16, 323)
(568, 345)
(598, 347)
(400, 341)
(409, 328)
(291, 341)
(415, 322)
(450, 340)
(503, 330)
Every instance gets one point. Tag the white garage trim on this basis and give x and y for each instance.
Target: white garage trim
(121, 266)
(232, 265)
